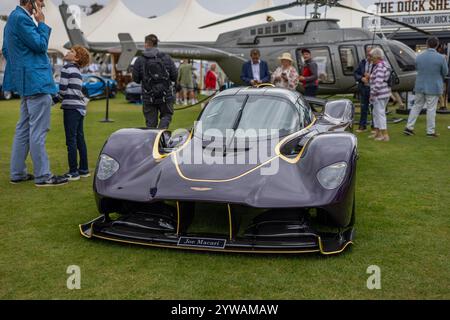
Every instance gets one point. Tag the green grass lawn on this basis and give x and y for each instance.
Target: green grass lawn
(403, 226)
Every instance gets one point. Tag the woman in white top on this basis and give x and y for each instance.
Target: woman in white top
(286, 76)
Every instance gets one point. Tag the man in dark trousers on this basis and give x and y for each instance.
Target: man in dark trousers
(255, 71)
(362, 77)
(157, 72)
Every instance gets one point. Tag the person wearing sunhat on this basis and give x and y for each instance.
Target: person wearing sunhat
(285, 76)
(309, 75)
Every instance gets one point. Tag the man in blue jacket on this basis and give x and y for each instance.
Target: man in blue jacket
(255, 71)
(28, 72)
(432, 69)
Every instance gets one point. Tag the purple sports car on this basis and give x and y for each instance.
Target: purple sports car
(259, 172)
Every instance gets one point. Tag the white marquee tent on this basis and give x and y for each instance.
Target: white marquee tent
(59, 35)
(2, 27)
(180, 24)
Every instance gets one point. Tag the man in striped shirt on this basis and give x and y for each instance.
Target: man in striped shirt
(74, 107)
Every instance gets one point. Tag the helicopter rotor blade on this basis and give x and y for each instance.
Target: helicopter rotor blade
(248, 14)
(385, 18)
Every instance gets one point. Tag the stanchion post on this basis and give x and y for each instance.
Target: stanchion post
(107, 120)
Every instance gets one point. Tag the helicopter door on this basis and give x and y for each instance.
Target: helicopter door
(322, 56)
(349, 60)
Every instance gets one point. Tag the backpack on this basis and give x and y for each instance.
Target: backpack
(156, 84)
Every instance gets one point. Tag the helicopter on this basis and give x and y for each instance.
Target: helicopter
(337, 51)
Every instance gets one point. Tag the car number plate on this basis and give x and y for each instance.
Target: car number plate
(202, 243)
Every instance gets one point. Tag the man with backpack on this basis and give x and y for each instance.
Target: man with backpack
(157, 72)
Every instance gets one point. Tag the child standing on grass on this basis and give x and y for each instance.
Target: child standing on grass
(74, 107)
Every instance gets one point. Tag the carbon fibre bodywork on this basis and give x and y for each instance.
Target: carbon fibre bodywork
(274, 204)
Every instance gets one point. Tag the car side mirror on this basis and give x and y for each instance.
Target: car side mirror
(339, 111)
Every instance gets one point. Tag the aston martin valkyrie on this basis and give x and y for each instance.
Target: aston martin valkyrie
(259, 172)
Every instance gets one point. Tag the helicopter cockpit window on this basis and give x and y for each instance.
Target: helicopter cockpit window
(404, 56)
(322, 57)
(348, 59)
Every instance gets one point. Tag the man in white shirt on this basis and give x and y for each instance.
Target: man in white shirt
(255, 71)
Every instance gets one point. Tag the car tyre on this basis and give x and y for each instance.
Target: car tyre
(85, 92)
(7, 95)
(353, 220)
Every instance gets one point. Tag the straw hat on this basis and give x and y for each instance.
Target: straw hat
(286, 56)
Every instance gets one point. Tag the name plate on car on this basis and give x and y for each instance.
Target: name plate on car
(202, 243)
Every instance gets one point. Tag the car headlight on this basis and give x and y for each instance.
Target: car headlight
(331, 177)
(107, 167)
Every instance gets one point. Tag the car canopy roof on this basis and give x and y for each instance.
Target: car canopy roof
(290, 95)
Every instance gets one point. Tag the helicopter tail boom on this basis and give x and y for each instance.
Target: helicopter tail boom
(74, 32)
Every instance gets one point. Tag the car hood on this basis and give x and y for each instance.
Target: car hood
(200, 161)
(147, 177)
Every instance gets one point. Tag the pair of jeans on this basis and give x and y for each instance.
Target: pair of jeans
(30, 137)
(151, 115)
(311, 91)
(365, 104)
(73, 126)
(422, 101)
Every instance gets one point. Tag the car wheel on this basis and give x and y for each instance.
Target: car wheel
(7, 95)
(85, 92)
(353, 220)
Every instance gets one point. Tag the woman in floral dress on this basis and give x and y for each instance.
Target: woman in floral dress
(285, 76)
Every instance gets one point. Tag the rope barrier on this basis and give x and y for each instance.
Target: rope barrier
(198, 103)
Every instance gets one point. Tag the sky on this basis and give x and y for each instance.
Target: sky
(157, 7)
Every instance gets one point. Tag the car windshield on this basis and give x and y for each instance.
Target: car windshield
(255, 116)
(90, 79)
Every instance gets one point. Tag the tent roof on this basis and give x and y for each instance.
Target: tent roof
(59, 35)
(180, 24)
(92, 22)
